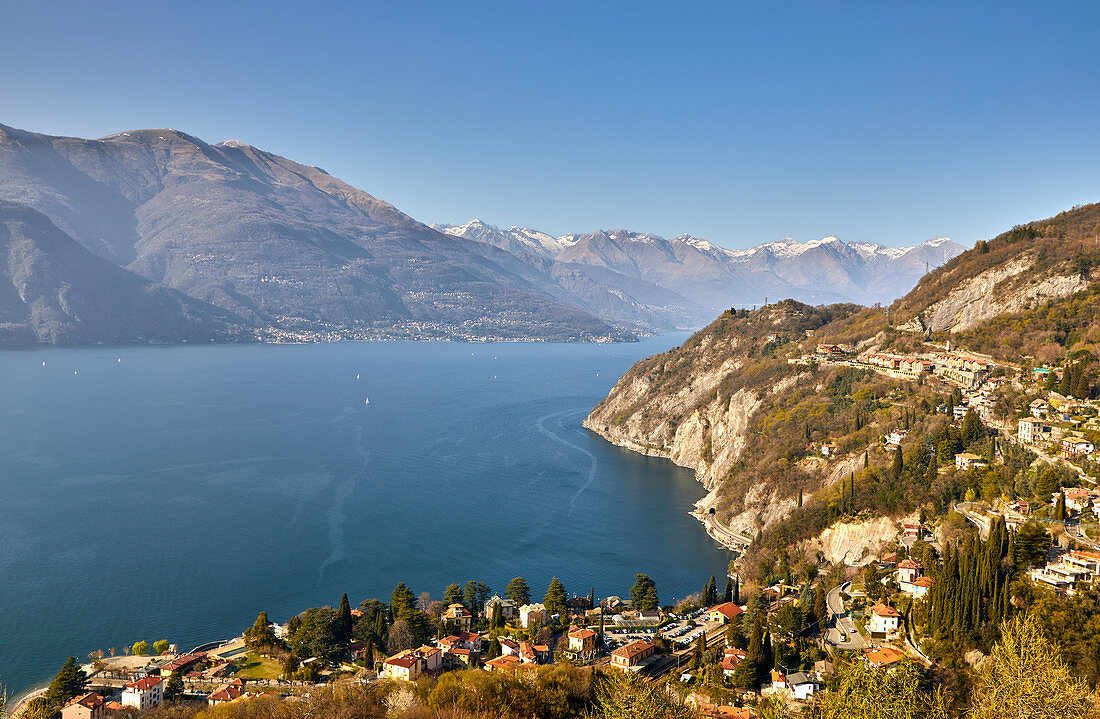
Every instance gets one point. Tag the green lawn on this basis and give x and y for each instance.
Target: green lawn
(257, 667)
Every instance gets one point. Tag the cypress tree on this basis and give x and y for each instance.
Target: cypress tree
(897, 465)
(728, 597)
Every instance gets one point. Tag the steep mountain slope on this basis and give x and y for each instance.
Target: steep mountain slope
(283, 245)
(52, 290)
(731, 405)
(826, 270)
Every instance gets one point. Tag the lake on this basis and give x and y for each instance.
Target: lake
(175, 492)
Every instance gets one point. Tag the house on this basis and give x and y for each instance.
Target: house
(1020, 506)
(182, 664)
(630, 656)
(959, 411)
(532, 614)
(884, 620)
(894, 438)
(405, 667)
(1039, 407)
(908, 571)
(230, 692)
(828, 449)
(460, 615)
(504, 663)
(144, 693)
(1074, 447)
(1079, 499)
(884, 657)
(911, 530)
(966, 460)
(1030, 431)
(465, 640)
(432, 657)
(458, 658)
(582, 643)
(802, 685)
(508, 609)
(85, 706)
(508, 647)
(779, 680)
(724, 612)
(922, 586)
(731, 659)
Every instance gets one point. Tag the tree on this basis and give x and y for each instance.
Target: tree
(140, 649)
(1026, 678)
(69, 683)
(452, 594)
(898, 463)
(626, 695)
(291, 664)
(746, 675)
(1059, 514)
(555, 598)
(496, 617)
(261, 636)
(401, 637)
(173, 688)
(1032, 543)
(344, 623)
(316, 634)
(402, 602)
(160, 646)
(821, 609)
(643, 595)
(972, 429)
(494, 650)
(727, 596)
(711, 593)
(518, 592)
(864, 692)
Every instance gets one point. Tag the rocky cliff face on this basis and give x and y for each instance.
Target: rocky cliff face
(1010, 287)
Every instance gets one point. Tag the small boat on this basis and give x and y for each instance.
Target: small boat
(367, 401)
(43, 363)
(356, 376)
(119, 359)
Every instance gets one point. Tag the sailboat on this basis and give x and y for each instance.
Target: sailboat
(356, 376)
(367, 401)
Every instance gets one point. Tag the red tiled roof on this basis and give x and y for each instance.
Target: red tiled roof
(90, 700)
(144, 684)
(885, 611)
(910, 564)
(405, 662)
(728, 610)
(884, 657)
(629, 651)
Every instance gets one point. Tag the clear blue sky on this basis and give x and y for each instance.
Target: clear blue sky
(739, 122)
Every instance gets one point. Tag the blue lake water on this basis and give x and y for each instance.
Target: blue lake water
(176, 493)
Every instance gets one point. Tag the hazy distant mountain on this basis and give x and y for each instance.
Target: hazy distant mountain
(826, 270)
(53, 290)
(284, 246)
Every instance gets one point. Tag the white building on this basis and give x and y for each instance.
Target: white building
(884, 620)
(532, 613)
(143, 694)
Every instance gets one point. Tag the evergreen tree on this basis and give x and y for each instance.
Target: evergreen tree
(1059, 514)
(643, 595)
(555, 598)
(452, 594)
(402, 602)
(897, 465)
(469, 598)
(344, 624)
(69, 683)
(800, 498)
(496, 618)
(736, 591)
(261, 636)
(728, 595)
(518, 592)
(711, 592)
(173, 688)
(821, 609)
(747, 674)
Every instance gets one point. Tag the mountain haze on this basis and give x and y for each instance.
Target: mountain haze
(819, 271)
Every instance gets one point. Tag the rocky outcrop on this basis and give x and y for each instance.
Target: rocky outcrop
(852, 543)
(994, 292)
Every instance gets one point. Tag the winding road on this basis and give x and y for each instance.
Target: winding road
(844, 635)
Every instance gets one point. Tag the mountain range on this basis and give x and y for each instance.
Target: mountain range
(157, 235)
(716, 278)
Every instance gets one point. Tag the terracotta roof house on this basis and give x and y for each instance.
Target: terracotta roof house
(632, 655)
(884, 657)
(724, 612)
(884, 620)
(504, 663)
(230, 692)
(460, 615)
(85, 706)
(731, 659)
(405, 667)
(144, 693)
